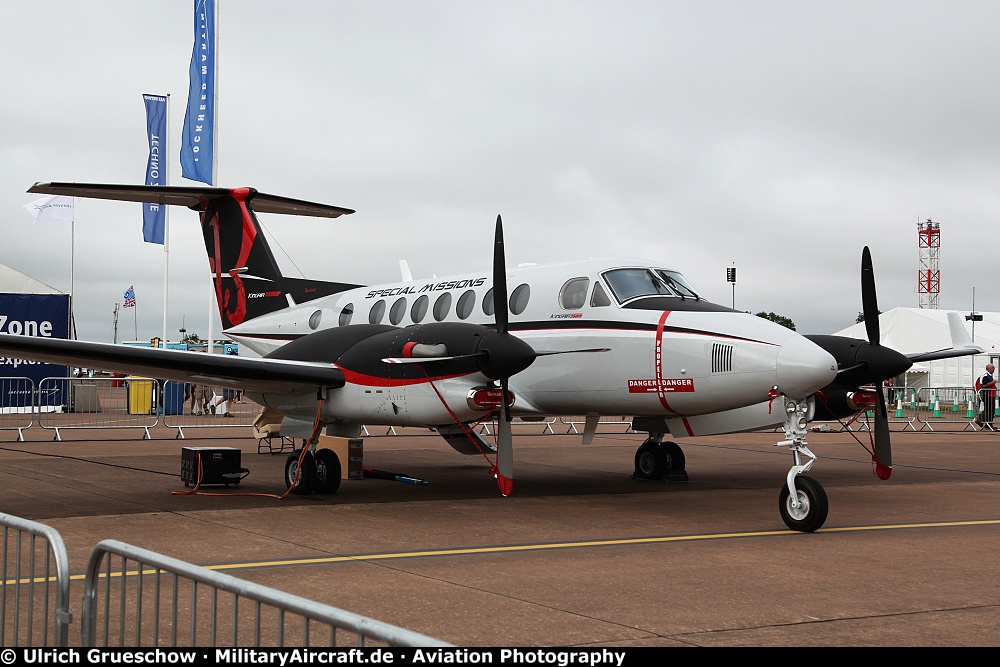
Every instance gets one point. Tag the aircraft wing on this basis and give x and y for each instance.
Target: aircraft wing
(253, 374)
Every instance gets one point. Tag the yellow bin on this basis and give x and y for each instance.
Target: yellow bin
(140, 396)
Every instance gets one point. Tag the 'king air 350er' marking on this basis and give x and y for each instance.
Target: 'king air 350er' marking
(612, 336)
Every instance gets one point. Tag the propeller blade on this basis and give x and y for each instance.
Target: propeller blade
(500, 280)
(505, 447)
(869, 299)
(505, 443)
(883, 450)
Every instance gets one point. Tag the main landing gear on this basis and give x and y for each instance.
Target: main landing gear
(317, 471)
(802, 502)
(659, 460)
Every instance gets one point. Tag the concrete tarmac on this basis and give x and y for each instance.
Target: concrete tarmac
(581, 555)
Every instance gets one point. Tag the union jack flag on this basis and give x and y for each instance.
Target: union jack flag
(130, 297)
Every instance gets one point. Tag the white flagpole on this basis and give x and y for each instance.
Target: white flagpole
(166, 228)
(212, 299)
(72, 269)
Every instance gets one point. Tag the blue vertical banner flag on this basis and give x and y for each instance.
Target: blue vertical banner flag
(198, 140)
(153, 215)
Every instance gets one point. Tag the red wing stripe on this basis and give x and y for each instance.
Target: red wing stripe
(365, 380)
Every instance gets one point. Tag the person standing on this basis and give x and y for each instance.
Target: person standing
(987, 394)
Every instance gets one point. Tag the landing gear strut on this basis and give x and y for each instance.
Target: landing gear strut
(659, 460)
(802, 502)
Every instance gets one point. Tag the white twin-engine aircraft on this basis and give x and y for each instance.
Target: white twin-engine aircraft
(590, 338)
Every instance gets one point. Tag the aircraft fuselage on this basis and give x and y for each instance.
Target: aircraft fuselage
(668, 354)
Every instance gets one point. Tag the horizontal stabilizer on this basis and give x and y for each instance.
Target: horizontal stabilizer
(189, 196)
(961, 343)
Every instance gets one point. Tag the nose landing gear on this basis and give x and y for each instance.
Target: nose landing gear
(802, 502)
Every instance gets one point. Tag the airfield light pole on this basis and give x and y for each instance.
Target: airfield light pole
(974, 316)
(731, 278)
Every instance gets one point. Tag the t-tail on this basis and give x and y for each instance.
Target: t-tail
(248, 282)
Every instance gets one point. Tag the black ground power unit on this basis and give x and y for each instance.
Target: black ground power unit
(219, 465)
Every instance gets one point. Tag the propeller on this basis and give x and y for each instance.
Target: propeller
(869, 303)
(505, 443)
(498, 355)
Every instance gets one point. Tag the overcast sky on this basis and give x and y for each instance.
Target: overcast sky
(779, 136)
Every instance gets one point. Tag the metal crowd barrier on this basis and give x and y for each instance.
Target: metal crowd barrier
(18, 412)
(138, 402)
(152, 597)
(188, 405)
(902, 408)
(100, 403)
(573, 422)
(951, 405)
(35, 585)
(484, 427)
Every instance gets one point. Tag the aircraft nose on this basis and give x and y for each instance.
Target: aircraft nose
(804, 368)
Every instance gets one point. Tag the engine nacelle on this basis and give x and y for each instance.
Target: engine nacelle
(839, 402)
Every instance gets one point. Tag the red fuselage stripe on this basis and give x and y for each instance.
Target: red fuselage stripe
(658, 361)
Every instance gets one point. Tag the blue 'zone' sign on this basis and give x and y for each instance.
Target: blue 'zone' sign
(45, 315)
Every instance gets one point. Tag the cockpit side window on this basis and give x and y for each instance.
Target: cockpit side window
(573, 294)
(599, 297)
(629, 283)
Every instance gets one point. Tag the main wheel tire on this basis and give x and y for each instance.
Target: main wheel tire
(674, 455)
(328, 471)
(307, 478)
(650, 461)
(812, 511)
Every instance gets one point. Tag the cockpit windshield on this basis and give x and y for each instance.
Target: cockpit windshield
(628, 284)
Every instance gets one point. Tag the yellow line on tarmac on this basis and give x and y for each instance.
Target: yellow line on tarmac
(472, 551)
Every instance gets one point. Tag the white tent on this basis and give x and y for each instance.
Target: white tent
(13, 281)
(910, 330)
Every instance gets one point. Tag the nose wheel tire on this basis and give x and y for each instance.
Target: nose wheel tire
(813, 507)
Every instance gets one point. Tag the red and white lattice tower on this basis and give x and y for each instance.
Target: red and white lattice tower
(929, 274)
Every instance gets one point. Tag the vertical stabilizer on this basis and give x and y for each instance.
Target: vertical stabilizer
(248, 282)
